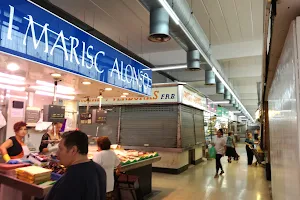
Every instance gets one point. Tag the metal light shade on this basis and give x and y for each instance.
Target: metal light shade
(209, 77)
(193, 60)
(227, 95)
(232, 101)
(159, 25)
(219, 86)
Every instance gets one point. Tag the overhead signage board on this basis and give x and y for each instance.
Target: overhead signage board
(159, 95)
(33, 33)
(193, 99)
(222, 112)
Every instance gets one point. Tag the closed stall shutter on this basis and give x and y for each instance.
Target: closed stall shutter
(153, 125)
(199, 128)
(110, 129)
(187, 126)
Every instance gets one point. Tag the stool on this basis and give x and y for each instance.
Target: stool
(129, 183)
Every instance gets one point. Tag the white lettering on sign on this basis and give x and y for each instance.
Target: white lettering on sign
(138, 76)
(125, 72)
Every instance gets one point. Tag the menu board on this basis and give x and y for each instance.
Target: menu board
(32, 116)
(99, 116)
(85, 118)
(54, 113)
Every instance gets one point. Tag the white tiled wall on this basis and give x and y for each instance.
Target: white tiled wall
(284, 121)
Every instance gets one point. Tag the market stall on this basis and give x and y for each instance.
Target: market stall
(170, 122)
(43, 75)
(140, 166)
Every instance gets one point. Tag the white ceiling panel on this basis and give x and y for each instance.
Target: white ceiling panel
(203, 18)
(245, 18)
(257, 9)
(218, 20)
(232, 20)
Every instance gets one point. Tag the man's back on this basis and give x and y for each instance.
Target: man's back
(84, 181)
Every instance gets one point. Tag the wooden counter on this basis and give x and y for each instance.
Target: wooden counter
(28, 190)
(142, 169)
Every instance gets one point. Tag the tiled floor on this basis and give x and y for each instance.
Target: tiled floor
(240, 182)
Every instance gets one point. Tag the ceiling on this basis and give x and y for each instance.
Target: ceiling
(33, 72)
(234, 28)
(229, 21)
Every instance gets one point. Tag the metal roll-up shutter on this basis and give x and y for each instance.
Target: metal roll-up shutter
(187, 126)
(110, 129)
(153, 125)
(199, 128)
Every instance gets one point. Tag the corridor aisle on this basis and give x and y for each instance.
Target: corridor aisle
(239, 182)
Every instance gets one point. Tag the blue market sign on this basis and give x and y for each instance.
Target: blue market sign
(33, 33)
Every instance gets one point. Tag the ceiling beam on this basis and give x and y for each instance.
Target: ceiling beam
(238, 50)
(220, 52)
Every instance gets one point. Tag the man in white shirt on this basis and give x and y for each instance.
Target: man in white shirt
(220, 146)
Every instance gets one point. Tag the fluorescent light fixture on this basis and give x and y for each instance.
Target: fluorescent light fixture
(13, 67)
(9, 87)
(169, 68)
(236, 111)
(108, 89)
(123, 96)
(56, 75)
(51, 89)
(14, 77)
(174, 16)
(125, 93)
(221, 102)
(16, 96)
(59, 87)
(11, 82)
(170, 11)
(86, 83)
(49, 94)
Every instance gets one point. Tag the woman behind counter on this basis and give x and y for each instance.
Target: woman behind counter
(53, 134)
(14, 147)
(109, 161)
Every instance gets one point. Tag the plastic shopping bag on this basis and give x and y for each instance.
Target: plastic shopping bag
(2, 120)
(212, 152)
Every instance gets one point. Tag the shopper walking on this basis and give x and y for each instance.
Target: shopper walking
(220, 146)
(84, 179)
(109, 161)
(230, 147)
(249, 146)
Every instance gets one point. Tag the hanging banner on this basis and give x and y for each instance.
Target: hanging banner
(159, 95)
(193, 99)
(222, 112)
(33, 33)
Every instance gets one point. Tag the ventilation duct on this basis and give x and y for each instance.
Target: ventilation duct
(193, 60)
(219, 86)
(209, 77)
(159, 25)
(227, 95)
(191, 30)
